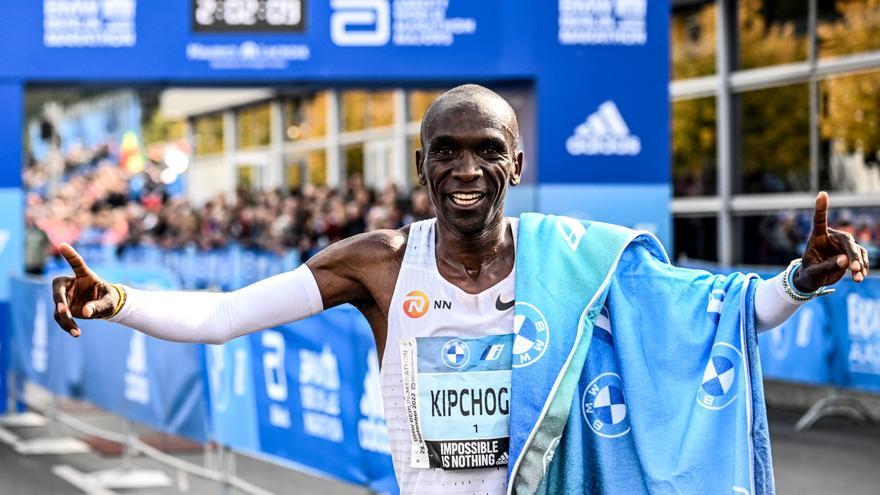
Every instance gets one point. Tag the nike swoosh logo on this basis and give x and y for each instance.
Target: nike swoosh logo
(504, 306)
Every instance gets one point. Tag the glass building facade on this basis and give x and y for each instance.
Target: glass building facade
(294, 138)
(773, 101)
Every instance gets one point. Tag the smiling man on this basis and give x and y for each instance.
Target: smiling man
(439, 297)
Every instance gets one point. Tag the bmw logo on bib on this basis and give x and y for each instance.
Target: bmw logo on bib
(604, 406)
(720, 378)
(531, 335)
(455, 354)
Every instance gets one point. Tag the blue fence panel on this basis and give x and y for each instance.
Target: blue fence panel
(855, 312)
(43, 353)
(801, 349)
(311, 386)
(148, 380)
(151, 381)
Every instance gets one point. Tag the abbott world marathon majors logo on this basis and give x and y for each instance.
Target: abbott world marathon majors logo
(604, 133)
(531, 335)
(604, 406)
(720, 378)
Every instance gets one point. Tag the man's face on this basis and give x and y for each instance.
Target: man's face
(468, 159)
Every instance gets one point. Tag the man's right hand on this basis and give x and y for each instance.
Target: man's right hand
(84, 295)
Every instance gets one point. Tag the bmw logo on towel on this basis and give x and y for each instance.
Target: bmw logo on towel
(721, 377)
(604, 406)
(531, 335)
(455, 354)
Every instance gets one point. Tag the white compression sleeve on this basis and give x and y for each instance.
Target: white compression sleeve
(216, 317)
(772, 305)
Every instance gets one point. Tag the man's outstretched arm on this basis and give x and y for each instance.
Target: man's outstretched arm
(210, 317)
(829, 254)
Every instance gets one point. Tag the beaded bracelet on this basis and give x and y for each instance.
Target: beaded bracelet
(793, 292)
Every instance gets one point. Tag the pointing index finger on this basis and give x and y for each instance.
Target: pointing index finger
(80, 269)
(820, 214)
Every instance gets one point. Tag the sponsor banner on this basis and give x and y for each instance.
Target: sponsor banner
(11, 237)
(153, 382)
(609, 122)
(855, 313)
(801, 348)
(832, 340)
(316, 388)
(42, 352)
(5, 355)
(283, 393)
(343, 39)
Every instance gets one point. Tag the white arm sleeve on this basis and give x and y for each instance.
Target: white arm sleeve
(216, 317)
(772, 305)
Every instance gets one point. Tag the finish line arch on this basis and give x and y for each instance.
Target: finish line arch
(598, 73)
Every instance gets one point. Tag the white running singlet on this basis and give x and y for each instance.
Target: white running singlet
(456, 349)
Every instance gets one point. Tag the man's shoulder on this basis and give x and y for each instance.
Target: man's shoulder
(387, 241)
(379, 245)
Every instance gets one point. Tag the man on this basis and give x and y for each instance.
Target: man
(464, 260)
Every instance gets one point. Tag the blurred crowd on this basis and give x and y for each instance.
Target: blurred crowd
(85, 197)
(782, 237)
(89, 199)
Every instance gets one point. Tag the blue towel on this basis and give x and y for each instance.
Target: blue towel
(631, 375)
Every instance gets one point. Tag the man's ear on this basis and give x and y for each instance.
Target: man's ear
(420, 169)
(517, 169)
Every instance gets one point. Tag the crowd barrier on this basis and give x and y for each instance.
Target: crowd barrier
(305, 395)
(833, 340)
(228, 268)
(308, 394)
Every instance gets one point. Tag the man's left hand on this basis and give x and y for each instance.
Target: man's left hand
(829, 254)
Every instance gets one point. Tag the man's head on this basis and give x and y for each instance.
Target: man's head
(470, 154)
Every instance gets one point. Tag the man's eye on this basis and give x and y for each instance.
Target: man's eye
(490, 150)
(445, 151)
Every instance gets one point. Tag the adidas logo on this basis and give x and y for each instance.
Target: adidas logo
(502, 460)
(604, 133)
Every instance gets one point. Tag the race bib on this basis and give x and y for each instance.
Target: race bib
(457, 399)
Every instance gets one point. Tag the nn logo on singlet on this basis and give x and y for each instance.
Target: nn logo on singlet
(417, 303)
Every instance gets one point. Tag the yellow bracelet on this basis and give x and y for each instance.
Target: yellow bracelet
(121, 302)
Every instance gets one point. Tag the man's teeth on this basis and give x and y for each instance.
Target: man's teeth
(466, 199)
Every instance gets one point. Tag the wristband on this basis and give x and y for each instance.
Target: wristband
(792, 291)
(121, 302)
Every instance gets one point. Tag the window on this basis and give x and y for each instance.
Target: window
(696, 238)
(365, 109)
(692, 36)
(249, 177)
(848, 26)
(418, 102)
(774, 238)
(775, 140)
(694, 158)
(354, 160)
(850, 129)
(772, 32)
(252, 126)
(305, 117)
(209, 134)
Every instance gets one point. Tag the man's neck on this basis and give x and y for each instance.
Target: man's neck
(488, 256)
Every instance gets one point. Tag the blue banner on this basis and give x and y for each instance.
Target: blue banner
(5, 355)
(154, 382)
(801, 349)
(312, 386)
(855, 313)
(833, 340)
(42, 352)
